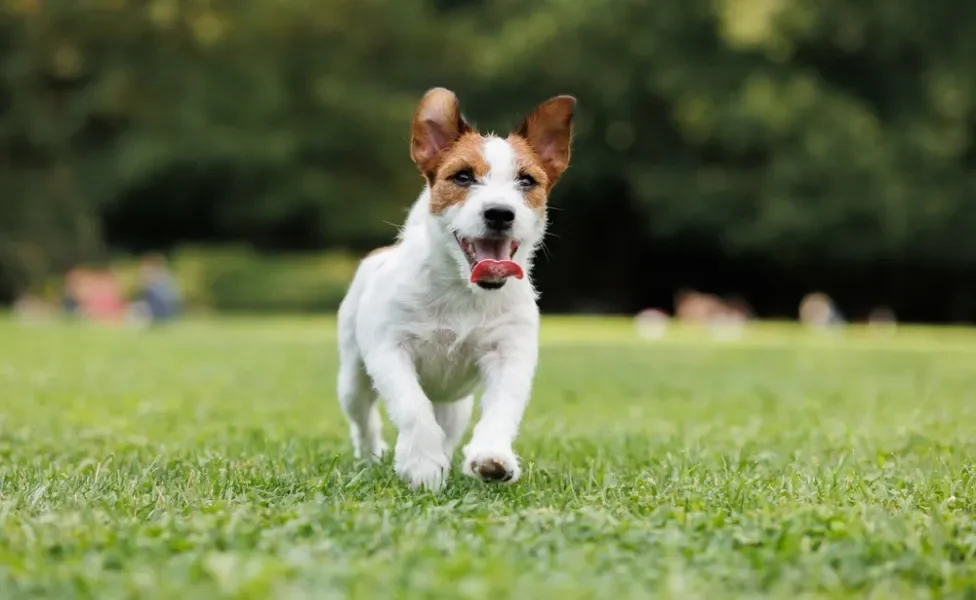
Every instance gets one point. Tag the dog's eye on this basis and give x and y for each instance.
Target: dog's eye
(526, 182)
(463, 178)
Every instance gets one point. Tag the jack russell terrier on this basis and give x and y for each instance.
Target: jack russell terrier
(450, 305)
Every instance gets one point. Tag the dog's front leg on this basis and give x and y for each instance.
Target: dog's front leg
(507, 374)
(419, 457)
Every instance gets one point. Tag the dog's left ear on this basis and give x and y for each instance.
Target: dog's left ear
(549, 130)
(436, 125)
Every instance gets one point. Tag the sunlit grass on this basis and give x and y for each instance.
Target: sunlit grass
(211, 459)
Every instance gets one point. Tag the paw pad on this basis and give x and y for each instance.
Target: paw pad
(492, 470)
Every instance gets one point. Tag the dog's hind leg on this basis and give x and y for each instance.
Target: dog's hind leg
(453, 417)
(359, 403)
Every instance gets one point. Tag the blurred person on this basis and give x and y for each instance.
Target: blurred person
(725, 318)
(73, 290)
(817, 310)
(882, 318)
(31, 308)
(651, 323)
(696, 307)
(161, 296)
(93, 294)
(729, 319)
(103, 299)
(737, 308)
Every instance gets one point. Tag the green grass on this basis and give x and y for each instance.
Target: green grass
(210, 460)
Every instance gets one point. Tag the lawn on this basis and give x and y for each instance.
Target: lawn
(210, 460)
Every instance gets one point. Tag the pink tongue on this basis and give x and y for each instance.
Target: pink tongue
(494, 270)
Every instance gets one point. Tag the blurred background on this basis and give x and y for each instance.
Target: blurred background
(731, 156)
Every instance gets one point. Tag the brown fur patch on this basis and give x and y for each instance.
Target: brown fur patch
(529, 163)
(465, 153)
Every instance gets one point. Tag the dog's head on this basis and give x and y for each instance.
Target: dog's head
(488, 193)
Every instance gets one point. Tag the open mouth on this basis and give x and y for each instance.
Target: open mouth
(491, 260)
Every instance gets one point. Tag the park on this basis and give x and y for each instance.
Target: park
(756, 285)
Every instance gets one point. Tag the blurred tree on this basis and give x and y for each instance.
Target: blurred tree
(815, 142)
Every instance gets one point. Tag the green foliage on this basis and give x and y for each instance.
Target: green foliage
(234, 280)
(210, 459)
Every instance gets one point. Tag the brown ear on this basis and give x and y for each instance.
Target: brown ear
(436, 125)
(549, 130)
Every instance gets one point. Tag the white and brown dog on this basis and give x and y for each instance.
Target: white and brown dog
(451, 305)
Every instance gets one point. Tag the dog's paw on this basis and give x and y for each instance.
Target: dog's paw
(424, 472)
(379, 450)
(491, 466)
(422, 466)
(374, 452)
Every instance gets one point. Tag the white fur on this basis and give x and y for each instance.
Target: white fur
(414, 331)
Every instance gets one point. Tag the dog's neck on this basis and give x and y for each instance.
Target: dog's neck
(436, 269)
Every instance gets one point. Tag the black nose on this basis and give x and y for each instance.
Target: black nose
(499, 217)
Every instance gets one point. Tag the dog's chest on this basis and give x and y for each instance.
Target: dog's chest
(446, 359)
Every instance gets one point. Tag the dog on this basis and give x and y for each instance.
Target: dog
(451, 304)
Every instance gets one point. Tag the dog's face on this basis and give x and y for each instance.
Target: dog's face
(488, 193)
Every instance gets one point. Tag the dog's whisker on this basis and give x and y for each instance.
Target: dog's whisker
(545, 250)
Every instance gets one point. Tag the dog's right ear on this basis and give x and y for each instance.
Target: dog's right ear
(436, 125)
